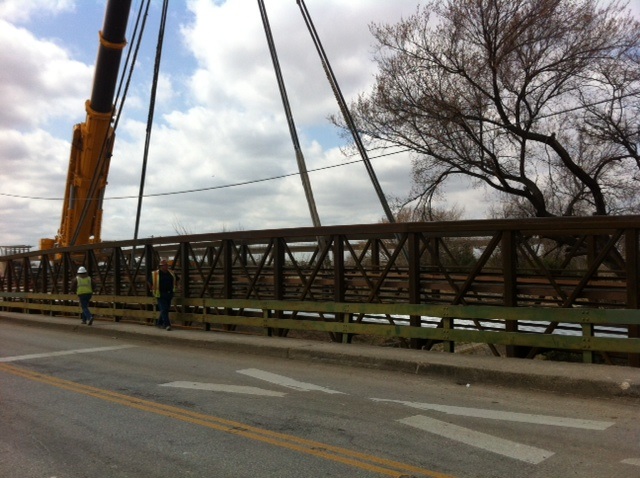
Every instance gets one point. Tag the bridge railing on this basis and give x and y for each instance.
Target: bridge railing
(273, 317)
(395, 279)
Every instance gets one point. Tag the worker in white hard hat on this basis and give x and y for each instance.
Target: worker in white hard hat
(83, 284)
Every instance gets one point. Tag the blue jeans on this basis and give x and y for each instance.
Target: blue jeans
(164, 304)
(84, 305)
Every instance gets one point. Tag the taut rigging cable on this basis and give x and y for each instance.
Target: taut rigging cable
(152, 102)
(345, 110)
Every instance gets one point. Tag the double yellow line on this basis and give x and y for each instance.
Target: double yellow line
(321, 450)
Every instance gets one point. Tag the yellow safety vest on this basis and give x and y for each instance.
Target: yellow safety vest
(155, 285)
(84, 285)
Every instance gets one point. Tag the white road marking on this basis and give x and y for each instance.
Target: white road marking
(507, 448)
(215, 387)
(63, 352)
(284, 381)
(508, 416)
(631, 461)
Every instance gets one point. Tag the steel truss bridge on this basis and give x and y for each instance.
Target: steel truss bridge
(523, 287)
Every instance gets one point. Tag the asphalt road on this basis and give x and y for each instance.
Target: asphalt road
(76, 405)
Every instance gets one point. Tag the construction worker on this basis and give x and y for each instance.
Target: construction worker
(83, 284)
(163, 286)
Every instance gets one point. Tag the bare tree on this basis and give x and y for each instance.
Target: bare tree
(536, 99)
(180, 228)
(413, 214)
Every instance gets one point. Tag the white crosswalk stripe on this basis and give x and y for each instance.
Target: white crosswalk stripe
(285, 381)
(511, 449)
(507, 416)
(217, 387)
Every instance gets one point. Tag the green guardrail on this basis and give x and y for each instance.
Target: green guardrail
(271, 315)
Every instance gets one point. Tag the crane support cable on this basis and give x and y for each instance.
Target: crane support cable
(345, 110)
(152, 102)
(302, 167)
(130, 61)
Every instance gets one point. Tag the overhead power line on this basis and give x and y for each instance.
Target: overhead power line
(212, 188)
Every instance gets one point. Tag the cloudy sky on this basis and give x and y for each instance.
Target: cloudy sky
(219, 124)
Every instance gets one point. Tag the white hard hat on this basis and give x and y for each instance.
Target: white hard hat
(82, 270)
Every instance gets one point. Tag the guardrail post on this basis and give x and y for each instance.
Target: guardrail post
(8, 276)
(633, 274)
(338, 269)
(510, 275)
(278, 268)
(278, 281)
(227, 273)
(149, 266)
(587, 332)
(184, 269)
(66, 273)
(209, 258)
(339, 284)
(117, 272)
(44, 270)
(413, 257)
(184, 281)
(26, 274)
(346, 319)
(227, 268)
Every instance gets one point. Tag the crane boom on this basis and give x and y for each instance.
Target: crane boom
(92, 141)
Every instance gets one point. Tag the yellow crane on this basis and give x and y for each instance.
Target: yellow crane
(93, 140)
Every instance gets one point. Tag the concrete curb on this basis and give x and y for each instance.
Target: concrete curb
(561, 377)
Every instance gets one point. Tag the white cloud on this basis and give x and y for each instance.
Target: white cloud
(38, 80)
(22, 10)
(219, 119)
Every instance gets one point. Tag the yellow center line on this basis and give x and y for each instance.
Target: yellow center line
(321, 450)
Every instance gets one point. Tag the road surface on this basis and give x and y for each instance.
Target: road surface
(76, 405)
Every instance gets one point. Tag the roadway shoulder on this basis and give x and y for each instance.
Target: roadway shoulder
(563, 377)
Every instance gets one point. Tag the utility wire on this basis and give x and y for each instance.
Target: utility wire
(253, 181)
(212, 188)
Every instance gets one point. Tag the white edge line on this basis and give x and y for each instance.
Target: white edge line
(62, 353)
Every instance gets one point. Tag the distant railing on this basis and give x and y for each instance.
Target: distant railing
(535, 285)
